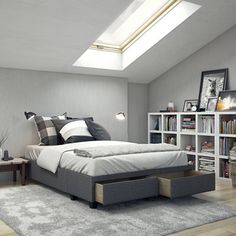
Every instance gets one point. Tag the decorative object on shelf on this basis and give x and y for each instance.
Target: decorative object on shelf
(6, 156)
(29, 115)
(190, 105)
(120, 116)
(158, 122)
(190, 148)
(211, 105)
(171, 106)
(212, 83)
(226, 101)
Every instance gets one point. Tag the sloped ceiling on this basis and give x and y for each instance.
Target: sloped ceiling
(51, 35)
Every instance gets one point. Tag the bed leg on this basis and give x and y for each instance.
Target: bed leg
(73, 198)
(93, 205)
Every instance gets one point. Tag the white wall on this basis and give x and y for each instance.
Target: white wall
(137, 117)
(183, 81)
(49, 93)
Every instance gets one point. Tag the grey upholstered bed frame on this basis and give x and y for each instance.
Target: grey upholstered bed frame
(82, 186)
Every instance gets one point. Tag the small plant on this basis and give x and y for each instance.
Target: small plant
(3, 138)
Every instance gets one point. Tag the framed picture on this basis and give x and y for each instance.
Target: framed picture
(226, 101)
(190, 104)
(211, 105)
(212, 83)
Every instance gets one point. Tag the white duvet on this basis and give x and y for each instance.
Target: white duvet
(50, 157)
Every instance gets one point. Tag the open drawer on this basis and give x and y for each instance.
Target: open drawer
(185, 183)
(126, 190)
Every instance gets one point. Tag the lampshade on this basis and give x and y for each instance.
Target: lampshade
(29, 115)
(120, 116)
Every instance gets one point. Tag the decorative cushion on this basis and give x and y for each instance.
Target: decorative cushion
(46, 129)
(73, 130)
(97, 131)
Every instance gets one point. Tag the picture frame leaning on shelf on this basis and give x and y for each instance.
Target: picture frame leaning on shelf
(212, 83)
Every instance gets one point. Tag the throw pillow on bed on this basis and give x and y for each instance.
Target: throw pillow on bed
(46, 129)
(74, 130)
(97, 131)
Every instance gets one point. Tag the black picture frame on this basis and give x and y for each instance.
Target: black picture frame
(212, 83)
(230, 101)
(194, 102)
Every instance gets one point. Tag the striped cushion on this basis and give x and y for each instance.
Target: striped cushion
(46, 129)
(73, 130)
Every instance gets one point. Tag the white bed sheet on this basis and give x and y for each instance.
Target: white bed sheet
(113, 164)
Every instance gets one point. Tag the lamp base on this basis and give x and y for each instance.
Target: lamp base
(7, 158)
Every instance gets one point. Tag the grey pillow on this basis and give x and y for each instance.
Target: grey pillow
(97, 131)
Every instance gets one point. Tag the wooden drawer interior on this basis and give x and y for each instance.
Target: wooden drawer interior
(185, 183)
(125, 190)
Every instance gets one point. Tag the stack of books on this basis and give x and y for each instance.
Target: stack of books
(207, 147)
(171, 123)
(188, 124)
(225, 145)
(207, 124)
(206, 164)
(228, 127)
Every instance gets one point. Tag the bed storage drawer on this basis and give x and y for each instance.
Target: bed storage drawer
(113, 192)
(185, 183)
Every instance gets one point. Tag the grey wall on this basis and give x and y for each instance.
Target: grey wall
(137, 117)
(49, 93)
(183, 81)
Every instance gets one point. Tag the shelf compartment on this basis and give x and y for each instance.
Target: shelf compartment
(155, 138)
(155, 122)
(206, 124)
(188, 123)
(188, 143)
(206, 145)
(170, 138)
(206, 164)
(227, 124)
(224, 168)
(170, 123)
(225, 144)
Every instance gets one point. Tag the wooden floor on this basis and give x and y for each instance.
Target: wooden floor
(224, 193)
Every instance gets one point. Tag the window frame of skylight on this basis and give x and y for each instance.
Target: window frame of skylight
(139, 32)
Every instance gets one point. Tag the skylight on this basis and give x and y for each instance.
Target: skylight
(143, 24)
(128, 27)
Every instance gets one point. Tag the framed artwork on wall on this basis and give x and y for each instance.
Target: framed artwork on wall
(212, 83)
(226, 101)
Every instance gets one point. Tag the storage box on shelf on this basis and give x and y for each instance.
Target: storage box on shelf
(207, 137)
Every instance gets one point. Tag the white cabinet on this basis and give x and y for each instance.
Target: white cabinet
(206, 137)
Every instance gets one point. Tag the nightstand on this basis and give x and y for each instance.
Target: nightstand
(17, 164)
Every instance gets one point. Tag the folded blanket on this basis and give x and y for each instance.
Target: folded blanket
(96, 152)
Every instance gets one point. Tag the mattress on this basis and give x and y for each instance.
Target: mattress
(112, 164)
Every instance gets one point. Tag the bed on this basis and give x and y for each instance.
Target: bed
(107, 179)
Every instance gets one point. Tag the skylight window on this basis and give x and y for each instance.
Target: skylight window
(132, 23)
(143, 24)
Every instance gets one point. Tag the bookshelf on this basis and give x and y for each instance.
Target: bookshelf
(206, 137)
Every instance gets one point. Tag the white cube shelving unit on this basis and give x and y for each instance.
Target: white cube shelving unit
(162, 128)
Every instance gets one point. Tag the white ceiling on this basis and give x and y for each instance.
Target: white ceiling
(51, 35)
